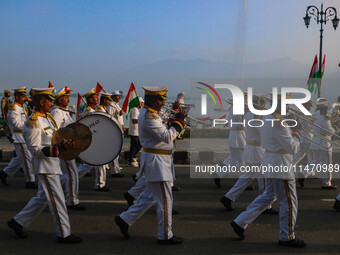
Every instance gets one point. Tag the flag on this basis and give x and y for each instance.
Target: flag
(99, 87)
(320, 76)
(205, 119)
(81, 105)
(222, 117)
(50, 85)
(131, 100)
(312, 75)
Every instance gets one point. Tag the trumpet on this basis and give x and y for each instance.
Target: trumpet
(298, 114)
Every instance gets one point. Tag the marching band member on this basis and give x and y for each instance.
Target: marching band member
(156, 165)
(116, 112)
(105, 100)
(237, 143)
(252, 156)
(322, 149)
(92, 102)
(306, 136)
(62, 116)
(280, 146)
(38, 136)
(17, 116)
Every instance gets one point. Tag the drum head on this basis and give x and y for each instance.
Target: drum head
(107, 139)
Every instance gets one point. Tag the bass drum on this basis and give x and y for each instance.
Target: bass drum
(107, 139)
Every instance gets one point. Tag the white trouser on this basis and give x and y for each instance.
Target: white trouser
(139, 187)
(307, 171)
(234, 159)
(303, 150)
(322, 157)
(100, 180)
(114, 166)
(70, 181)
(49, 193)
(285, 192)
(23, 159)
(155, 192)
(243, 182)
(83, 169)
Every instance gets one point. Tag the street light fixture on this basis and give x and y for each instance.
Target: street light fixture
(321, 17)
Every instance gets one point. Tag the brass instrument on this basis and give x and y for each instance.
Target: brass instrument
(294, 112)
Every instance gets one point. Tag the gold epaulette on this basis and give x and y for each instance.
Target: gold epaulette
(11, 107)
(32, 121)
(277, 124)
(151, 113)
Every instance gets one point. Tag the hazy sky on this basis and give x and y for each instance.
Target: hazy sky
(76, 43)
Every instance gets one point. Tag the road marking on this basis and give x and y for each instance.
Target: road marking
(328, 199)
(103, 201)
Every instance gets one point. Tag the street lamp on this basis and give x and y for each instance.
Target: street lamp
(321, 17)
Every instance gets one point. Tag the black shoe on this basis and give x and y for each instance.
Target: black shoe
(174, 211)
(77, 207)
(3, 178)
(123, 226)
(134, 178)
(270, 211)
(217, 182)
(250, 188)
(336, 205)
(129, 199)
(296, 243)
(175, 188)
(31, 185)
(70, 239)
(18, 229)
(226, 202)
(103, 189)
(238, 230)
(117, 175)
(332, 187)
(171, 241)
(301, 181)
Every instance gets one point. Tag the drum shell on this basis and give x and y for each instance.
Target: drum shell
(107, 139)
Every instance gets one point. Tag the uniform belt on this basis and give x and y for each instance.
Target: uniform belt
(278, 152)
(238, 129)
(17, 131)
(254, 143)
(158, 151)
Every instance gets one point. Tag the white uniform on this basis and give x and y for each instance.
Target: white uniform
(279, 147)
(304, 143)
(69, 168)
(114, 109)
(237, 141)
(156, 166)
(17, 117)
(38, 136)
(84, 168)
(322, 149)
(252, 156)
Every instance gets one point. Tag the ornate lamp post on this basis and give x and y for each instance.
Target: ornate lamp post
(321, 17)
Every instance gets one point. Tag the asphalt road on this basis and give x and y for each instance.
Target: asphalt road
(202, 221)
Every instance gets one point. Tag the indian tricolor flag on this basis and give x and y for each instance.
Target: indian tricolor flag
(313, 75)
(81, 105)
(131, 100)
